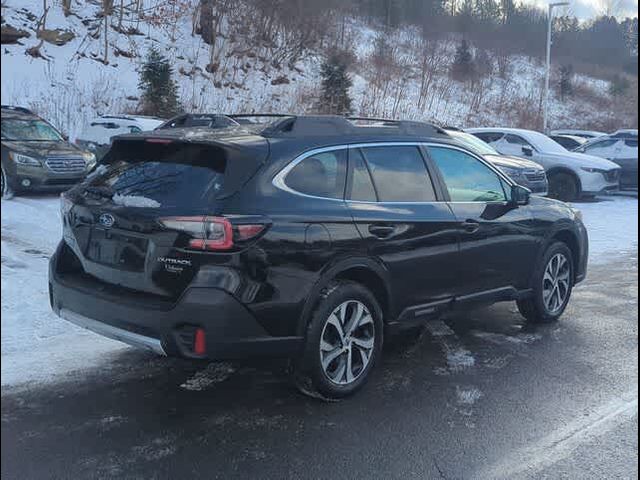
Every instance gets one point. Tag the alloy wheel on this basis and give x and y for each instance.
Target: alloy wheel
(347, 342)
(556, 283)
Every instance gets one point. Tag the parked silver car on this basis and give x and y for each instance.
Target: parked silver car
(621, 150)
(524, 172)
(571, 174)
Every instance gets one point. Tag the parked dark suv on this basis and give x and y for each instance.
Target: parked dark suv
(310, 238)
(35, 156)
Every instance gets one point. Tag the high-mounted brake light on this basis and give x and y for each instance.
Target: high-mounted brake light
(212, 233)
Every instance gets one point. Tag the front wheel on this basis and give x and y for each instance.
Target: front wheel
(563, 186)
(553, 284)
(344, 341)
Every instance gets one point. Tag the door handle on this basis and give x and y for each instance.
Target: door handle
(382, 231)
(471, 226)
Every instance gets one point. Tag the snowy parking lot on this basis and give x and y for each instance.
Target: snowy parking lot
(479, 395)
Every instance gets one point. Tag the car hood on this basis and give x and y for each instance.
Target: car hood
(512, 162)
(582, 160)
(41, 149)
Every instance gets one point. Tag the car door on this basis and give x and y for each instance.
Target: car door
(627, 157)
(498, 246)
(395, 205)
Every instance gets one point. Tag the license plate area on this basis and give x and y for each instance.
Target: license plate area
(122, 251)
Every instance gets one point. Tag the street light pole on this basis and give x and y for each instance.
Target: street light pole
(547, 80)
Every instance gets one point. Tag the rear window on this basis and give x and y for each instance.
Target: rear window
(399, 174)
(320, 175)
(158, 175)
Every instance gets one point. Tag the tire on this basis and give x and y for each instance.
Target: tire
(5, 189)
(337, 363)
(564, 186)
(542, 306)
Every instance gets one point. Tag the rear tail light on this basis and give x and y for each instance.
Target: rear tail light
(212, 233)
(199, 342)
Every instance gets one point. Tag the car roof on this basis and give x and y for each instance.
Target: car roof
(517, 131)
(19, 113)
(311, 130)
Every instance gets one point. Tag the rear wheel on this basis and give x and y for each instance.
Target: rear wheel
(553, 284)
(344, 340)
(563, 186)
(5, 188)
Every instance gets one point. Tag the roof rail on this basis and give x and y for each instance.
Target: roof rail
(16, 109)
(314, 125)
(408, 127)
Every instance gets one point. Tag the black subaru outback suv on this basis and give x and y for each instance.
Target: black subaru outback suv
(311, 238)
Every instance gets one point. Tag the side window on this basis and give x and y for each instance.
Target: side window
(489, 137)
(603, 145)
(361, 187)
(516, 140)
(320, 175)
(467, 179)
(134, 129)
(399, 174)
(631, 143)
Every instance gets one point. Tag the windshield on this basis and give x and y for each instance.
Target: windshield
(474, 143)
(29, 131)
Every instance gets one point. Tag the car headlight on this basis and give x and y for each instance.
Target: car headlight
(24, 159)
(593, 170)
(90, 159)
(513, 173)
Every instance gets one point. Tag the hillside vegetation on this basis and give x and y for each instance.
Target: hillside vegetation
(469, 63)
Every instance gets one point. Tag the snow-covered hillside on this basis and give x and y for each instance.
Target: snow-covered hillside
(73, 82)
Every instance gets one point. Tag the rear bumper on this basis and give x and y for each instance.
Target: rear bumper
(231, 331)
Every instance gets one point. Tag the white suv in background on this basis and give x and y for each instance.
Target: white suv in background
(96, 136)
(620, 149)
(571, 175)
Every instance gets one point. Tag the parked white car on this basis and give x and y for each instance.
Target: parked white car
(96, 136)
(588, 134)
(620, 149)
(571, 175)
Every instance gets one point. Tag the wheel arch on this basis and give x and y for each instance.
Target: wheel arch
(559, 169)
(364, 271)
(570, 239)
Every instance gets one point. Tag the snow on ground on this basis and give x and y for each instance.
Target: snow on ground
(612, 223)
(37, 346)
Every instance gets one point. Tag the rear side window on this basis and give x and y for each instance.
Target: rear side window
(321, 175)
(467, 179)
(399, 174)
(361, 187)
(168, 176)
(631, 143)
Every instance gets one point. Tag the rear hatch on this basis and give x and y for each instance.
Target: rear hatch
(151, 214)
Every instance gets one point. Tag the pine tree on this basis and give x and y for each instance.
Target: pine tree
(566, 81)
(463, 66)
(336, 83)
(159, 90)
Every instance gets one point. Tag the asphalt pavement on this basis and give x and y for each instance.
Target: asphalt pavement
(479, 395)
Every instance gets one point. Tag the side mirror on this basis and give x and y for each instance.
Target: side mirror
(520, 195)
(528, 151)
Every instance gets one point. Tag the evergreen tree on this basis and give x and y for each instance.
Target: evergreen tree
(463, 66)
(336, 83)
(159, 90)
(566, 81)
